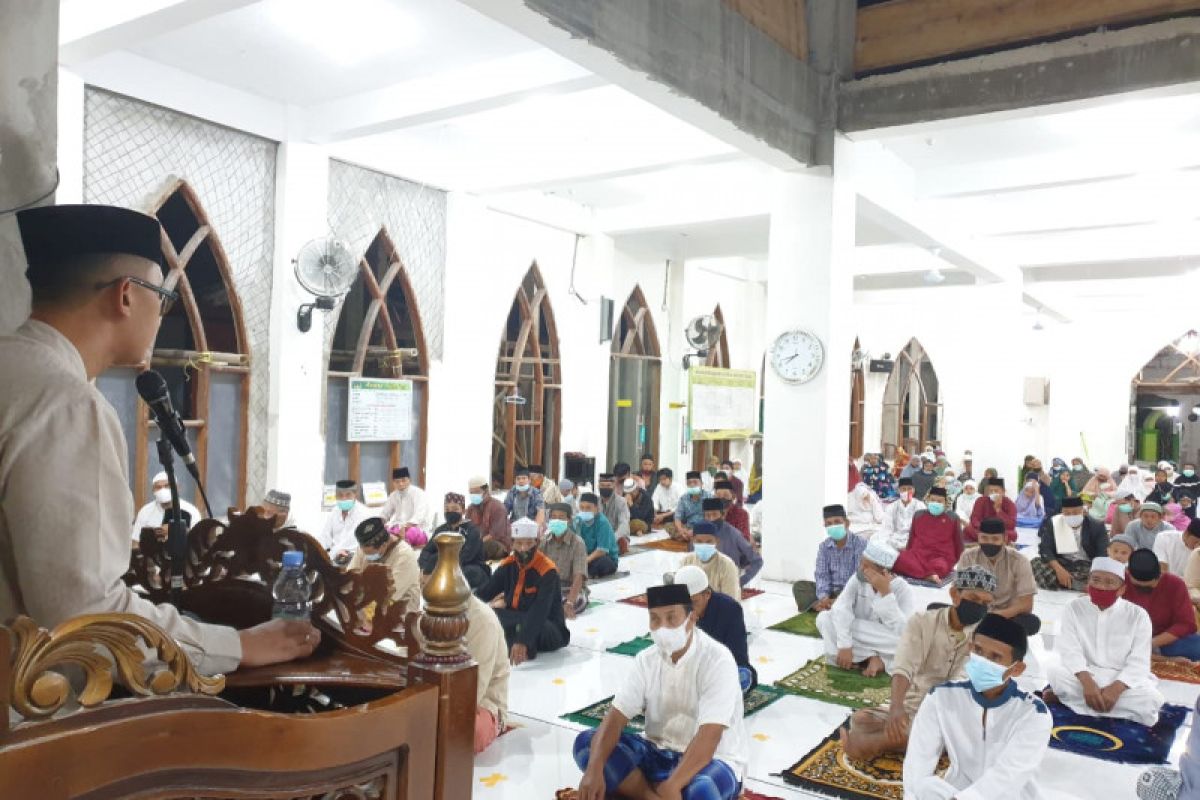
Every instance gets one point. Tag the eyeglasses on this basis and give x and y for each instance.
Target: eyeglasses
(167, 297)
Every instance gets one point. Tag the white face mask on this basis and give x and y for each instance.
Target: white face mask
(163, 496)
(670, 640)
(1074, 520)
(373, 556)
(994, 495)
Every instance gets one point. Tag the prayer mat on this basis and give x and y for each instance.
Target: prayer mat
(616, 576)
(754, 701)
(670, 545)
(1176, 671)
(946, 581)
(820, 681)
(828, 772)
(747, 794)
(640, 601)
(595, 603)
(801, 625)
(1117, 740)
(633, 646)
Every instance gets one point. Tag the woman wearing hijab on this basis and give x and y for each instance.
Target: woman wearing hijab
(878, 477)
(1173, 515)
(864, 512)
(1080, 475)
(1030, 508)
(965, 502)
(1123, 511)
(1132, 483)
(1163, 491)
(989, 474)
(1099, 492)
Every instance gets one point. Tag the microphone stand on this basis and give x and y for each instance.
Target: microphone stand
(176, 530)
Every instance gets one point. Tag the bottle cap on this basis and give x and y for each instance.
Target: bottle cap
(293, 558)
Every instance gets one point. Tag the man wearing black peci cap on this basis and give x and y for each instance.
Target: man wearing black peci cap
(337, 537)
(690, 509)
(407, 504)
(1067, 543)
(686, 687)
(96, 274)
(730, 542)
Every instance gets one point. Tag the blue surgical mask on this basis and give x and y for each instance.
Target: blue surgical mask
(983, 674)
(345, 505)
(557, 526)
(373, 556)
(521, 488)
(705, 552)
(693, 490)
(1125, 508)
(937, 509)
(475, 499)
(836, 532)
(586, 516)
(1189, 473)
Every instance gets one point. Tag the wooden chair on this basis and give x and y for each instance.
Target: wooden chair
(182, 735)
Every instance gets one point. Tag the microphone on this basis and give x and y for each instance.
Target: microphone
(153, 389)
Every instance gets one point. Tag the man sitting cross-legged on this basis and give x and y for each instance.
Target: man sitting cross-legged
(1067, 544)
(1165, 598)
(865, 623)
(934, 542)
(1104, 642)
(933, 650)
(838, 555)
(721, 617)
(598, 537)
(995, 734)
(720, 570)
(569, 554)
(686, 687)
(1014, 576)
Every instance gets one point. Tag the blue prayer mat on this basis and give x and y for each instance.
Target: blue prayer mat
(1118, 740)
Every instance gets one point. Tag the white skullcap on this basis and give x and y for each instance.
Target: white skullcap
(629, 485)
(1109, 565)
(161, 476)
(693, 577)
(881, 553)
(524, 529)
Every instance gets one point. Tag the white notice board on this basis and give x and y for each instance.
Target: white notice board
(380, 410)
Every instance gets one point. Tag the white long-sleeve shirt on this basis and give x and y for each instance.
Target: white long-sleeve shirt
(860, 601)
(408, 507)
(995, 752)
(897, 522)
(1113, 644)
(666, 498)
(338, 533)
(151, 516)
(63, 555)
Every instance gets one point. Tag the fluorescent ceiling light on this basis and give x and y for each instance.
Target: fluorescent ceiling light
(348, 32)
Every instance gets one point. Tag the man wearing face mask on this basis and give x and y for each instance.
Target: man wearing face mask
(527, 595)
(1150, 523)
(718, 568)
(1015, 587)
(935, 542)
(471, 557)
(686, 687)
(933, 650)
(1164, 597)
(995, 734)
(615, 509)
(597, 535)
(641, 508)
(569, 554)
(863, 628)
(154, 513)
(721, 617)
(1104, 645)
(1067, 543)
(337, 537)
(691, 507)
(96, 275)
(490, 517)
(735, 515)
(731, 542)
(377, 546)
(897, 519)
(523, 501)
(1187, 483)
(406, 505)
(838, 557)
(549, 489)
(995, 504)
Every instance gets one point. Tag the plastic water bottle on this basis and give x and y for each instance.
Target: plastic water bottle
(292, 589)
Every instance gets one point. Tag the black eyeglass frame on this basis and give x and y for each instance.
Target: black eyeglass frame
(168, 296)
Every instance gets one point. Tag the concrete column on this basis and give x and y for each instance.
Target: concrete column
(296, 427)
(28, 134)
(806, 427)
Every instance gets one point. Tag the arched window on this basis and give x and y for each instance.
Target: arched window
(378, 335)
(858, 391)
(717, 357)
(1166, 394)
(201, 351)
(912, 411)
(527, 416)
(634, 381)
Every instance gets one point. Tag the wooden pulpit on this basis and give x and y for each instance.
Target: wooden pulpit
(378, 712)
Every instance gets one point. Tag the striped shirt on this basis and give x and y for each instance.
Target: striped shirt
(836, 564)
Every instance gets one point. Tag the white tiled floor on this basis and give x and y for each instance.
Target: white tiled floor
(558, 683)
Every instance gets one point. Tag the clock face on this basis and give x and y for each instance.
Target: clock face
(797, 356)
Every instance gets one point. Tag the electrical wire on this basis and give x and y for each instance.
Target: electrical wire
(21, 207)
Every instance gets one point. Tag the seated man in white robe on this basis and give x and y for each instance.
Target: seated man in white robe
(897, 519)
(864, 626)
(337, 537)
(1104, 643)
(406, 505)
(995, 734)
(154, 513)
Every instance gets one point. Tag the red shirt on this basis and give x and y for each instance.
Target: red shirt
(985, 509)
(491, 518)
(1169, 606)
(739, 518)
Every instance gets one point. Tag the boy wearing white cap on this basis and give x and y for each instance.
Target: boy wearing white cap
(865, 623)
(1104, 644)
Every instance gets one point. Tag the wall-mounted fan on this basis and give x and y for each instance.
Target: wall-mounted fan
(702, 334)
(326, 268)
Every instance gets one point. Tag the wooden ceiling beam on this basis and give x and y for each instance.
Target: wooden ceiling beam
(783, 21)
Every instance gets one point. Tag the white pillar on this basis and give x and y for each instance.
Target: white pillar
(806, 427)
(28, 131)
(296, 427)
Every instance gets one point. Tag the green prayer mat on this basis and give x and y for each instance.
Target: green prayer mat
(633, 646)
(818, 680)
(595, 603)
(802, 625)
(754, 701)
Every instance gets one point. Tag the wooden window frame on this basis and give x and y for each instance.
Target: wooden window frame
(915, 355)
(394, 274)
(640, 342)
(858, 392)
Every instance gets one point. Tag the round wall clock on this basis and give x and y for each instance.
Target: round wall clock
(797, 356)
